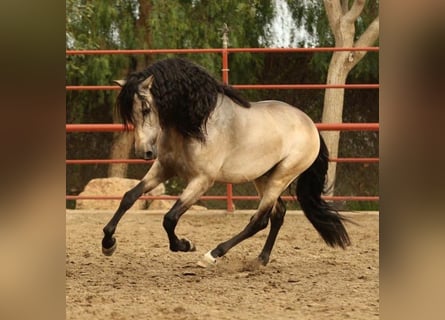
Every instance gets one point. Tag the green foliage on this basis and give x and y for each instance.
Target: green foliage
(93, 25)
(197, 24)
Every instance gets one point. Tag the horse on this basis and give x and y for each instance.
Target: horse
(203, 131)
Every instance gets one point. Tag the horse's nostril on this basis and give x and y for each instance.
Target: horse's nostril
(148, 155)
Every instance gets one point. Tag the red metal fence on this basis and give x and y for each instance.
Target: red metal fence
(229, 197)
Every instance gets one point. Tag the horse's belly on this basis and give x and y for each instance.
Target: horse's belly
(240, 169)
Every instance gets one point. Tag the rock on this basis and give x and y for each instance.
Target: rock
(113, 186)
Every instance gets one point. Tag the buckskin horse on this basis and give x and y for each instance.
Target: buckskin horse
(204, 131)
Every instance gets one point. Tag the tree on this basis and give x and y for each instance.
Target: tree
(342, 21)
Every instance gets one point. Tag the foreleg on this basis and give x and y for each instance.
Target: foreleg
(152, 179)
(194, 190)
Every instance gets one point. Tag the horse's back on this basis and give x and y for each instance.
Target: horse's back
(283, 120)
(290, 123)
(281, 111)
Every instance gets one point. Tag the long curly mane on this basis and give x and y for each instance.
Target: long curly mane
(185, 95)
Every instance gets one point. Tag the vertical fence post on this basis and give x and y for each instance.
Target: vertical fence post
(225, 77)
(225, 54)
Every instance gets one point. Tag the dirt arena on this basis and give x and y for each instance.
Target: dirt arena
(305, 279)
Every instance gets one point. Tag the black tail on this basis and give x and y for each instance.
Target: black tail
(310, 186)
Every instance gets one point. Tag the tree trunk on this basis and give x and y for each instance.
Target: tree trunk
(120, 149)
(342, 23)
(333, 111)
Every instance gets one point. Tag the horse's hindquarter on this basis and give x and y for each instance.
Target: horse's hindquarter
(253, 140)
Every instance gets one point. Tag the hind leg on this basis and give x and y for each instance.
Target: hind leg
(276, 221)
(271, 187)
(258, 222)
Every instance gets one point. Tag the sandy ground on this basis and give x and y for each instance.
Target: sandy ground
(305, 279)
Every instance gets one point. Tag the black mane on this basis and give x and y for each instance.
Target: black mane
(185, 95)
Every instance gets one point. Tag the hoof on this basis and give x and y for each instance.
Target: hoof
(191, 246)
(110, 251)
(263, 260)
(183, 245)
(207, 261)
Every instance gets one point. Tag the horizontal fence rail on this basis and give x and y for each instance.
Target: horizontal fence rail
(255, 86)
(219, 50)
(112, 127)
(287, 198)
(229, 197)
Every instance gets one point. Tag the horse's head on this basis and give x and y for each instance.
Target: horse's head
(144, 118)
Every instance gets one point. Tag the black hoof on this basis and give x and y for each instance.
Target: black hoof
(192, 246)
(183, 245)
(109, 246)
(188, 245)
(263, 260)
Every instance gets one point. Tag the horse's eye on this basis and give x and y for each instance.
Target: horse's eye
(145, 111)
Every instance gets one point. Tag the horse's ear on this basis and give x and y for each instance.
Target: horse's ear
(148, 82)
(120, 83)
